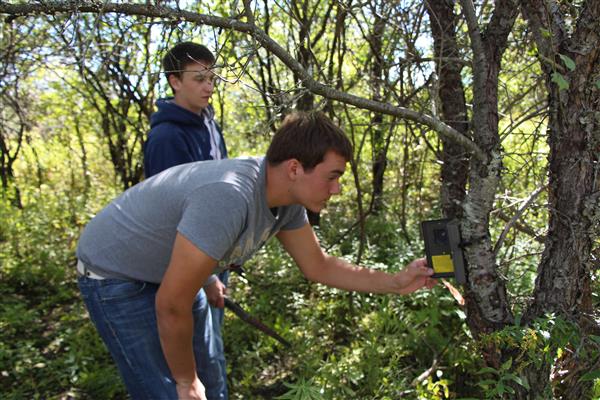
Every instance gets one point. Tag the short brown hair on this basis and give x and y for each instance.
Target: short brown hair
(307, 137)
(184, 54)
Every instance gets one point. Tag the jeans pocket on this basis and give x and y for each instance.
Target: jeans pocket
(117, 290)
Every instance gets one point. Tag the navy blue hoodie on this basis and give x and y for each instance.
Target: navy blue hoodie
(178, 136)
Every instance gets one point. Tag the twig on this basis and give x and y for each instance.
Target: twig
(517, 215)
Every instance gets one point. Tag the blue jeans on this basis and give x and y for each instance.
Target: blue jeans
(124, 315)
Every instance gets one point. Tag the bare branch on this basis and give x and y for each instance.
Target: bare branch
(518, 215)
(520, 227)
(260, 36)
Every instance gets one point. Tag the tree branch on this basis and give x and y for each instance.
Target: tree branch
(260, 36)
(518, 215)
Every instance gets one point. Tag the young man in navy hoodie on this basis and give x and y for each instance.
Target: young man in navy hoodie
(183, 130)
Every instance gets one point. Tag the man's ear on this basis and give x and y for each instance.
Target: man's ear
(293, 168)
(174, 82)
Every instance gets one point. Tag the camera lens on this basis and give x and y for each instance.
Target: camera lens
(440, 236)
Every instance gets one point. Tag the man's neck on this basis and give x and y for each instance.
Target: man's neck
(186, 106)
(277, 186)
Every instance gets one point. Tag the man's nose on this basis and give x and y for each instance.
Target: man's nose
(335, 188)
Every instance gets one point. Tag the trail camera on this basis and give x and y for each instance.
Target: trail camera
(442, 247)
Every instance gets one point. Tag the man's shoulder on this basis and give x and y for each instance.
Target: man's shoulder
(251, 165)
(173, 115)
(226, 181)
(234, 167)
(166, 134)
(241, 173)
(165, 129)
(226, 169)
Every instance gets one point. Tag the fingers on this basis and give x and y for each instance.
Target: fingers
(215, 293)
(220, 303)
(420, 267)
(217, 300)
(419, 263)
(430, 282)
(421, 274)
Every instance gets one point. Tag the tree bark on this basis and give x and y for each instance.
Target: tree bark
(564, 275)
(487, 302)
(455, 160)
(379, 157)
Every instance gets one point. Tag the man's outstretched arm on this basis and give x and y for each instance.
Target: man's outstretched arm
(188, 269)
(302, 244)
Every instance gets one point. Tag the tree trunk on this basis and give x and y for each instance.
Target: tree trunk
(487, 303)
(306, 100)
(564, 278)
(488, 308)
(379, 156)
(455, 163)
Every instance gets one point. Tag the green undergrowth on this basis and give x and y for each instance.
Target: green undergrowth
(343, 345)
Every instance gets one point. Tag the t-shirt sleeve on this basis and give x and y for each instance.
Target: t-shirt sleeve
(297, 218)
(213, 218)
(164, 149)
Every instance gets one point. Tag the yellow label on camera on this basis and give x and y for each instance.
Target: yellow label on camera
(442, 264)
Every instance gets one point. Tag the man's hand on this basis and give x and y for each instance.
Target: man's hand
(215, 293)
(191, 391)
(415, 276)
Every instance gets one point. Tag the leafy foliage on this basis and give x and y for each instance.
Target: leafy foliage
(345, 345)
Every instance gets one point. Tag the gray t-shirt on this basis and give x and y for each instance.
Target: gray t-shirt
(220, 206)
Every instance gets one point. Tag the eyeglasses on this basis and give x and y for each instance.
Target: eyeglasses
(201, 75)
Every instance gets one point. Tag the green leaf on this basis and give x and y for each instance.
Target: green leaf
(522, 382)
(519, 380)
(560, 80)
(507, 364)
(545, 33)
(487, 370)
(590, 376)
(598, 83)
(569, 63)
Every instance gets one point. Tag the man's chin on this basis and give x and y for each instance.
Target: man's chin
(317, 209)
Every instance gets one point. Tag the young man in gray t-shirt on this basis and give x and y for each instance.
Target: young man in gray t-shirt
(147, 254)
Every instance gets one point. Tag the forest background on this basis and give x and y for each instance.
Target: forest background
(486, 112)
